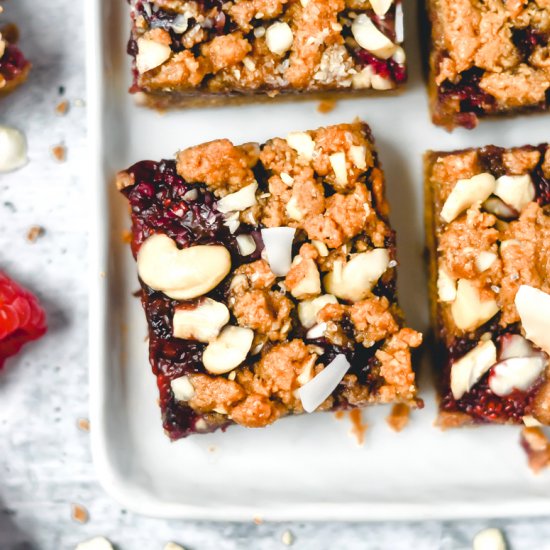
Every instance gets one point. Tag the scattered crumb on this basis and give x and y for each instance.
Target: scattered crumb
(79, 103)
(258, 520)
(127, 236)
(173, 546)
(97, 543)
(399, 416)
(83, 424)
(34, 233)
(339, 415)
(59, 153)
(102, 274)
(288, 538)
(537, 447)
(62, 108)
(61, 90)
(489, 539)
(212, 449)
(358, 427)
(326, 106)
(79, 513)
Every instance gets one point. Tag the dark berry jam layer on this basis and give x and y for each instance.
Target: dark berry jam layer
(12, 63)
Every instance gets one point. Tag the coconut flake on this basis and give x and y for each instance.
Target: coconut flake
(317, 390)
(278, 248)
(240, 200)
(533, 306)
(246, 244)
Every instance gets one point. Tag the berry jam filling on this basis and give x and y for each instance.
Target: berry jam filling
(467, 91)
(526, 40)
(12, 63)
(386, 68)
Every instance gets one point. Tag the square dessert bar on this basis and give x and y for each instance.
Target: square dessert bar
(268, 280)
(487, 58)
(14, 68)
(204, 51)
(488, 230)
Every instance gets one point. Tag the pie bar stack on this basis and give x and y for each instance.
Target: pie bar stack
(488, 58)
(488, 228)
(188, 53)
(268, 278)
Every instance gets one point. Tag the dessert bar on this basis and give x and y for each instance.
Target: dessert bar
(14, 68)
(488, 228)
(268, 278)
(196, 52)
(487, 58)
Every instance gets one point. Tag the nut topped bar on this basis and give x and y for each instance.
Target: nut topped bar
(488, 58)
(203, 51)
(14, 68)
(268, 280)
(488, 227)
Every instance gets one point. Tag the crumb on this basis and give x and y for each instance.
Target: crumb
(79, 513)
(358, 427)
(97, 543)
(339, 415)
(173, 546)
(288, 538)
(399, 417)
(102, 274)
(212, 449)
(62, 108)
(537, 447)
(258, 520)
(34, 233)
(61, 90)
(326, 106)
(83, 424)
(126, 236)
(79, 103)
(59, 153)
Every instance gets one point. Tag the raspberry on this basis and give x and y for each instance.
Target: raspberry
(22, 319)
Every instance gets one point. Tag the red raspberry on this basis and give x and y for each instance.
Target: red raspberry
(22, 319)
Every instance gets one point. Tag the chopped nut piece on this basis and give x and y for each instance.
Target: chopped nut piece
(79, 513)
(34, 233)
(59, 153)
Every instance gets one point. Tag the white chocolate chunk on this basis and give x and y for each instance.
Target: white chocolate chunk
(279, 38)
(182, 388)
(533, 307)
(446, 286)
(468, 310)
(516, 373)
(370, 38)
(309, 309)
(354, 280)
(278, 248)
(516, 191)
(485, 260)
(338, 163)
(381, 7)
(181, 274)
(466, 193)
(241, 200)
(314, 393)
(228, 350)
(292, 210)
(363, 79)
(246, 244)
(515, 345)
(302, 143)
(151, 54)
(489, 539)
(358, 154)
(202, 322)
(468, 370)
(318, 331)
(13, 149)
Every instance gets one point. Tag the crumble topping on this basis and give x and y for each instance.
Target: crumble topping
(283, 257)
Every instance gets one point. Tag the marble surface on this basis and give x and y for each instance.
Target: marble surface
(45, 463)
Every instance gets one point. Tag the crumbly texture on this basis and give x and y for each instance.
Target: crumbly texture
(488, 58)
(537, 448)
(14, 68)
(295, 186)
(514, 243)
(242, 48)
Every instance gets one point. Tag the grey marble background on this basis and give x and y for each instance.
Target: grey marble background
(45, 463)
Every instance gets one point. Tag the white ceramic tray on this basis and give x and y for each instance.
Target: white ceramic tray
(305, 468)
